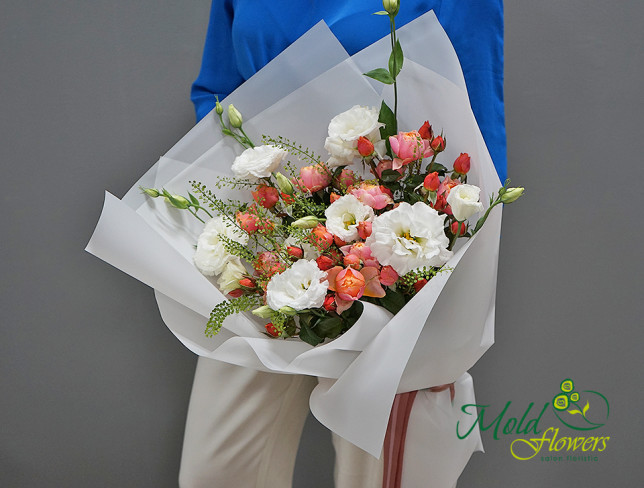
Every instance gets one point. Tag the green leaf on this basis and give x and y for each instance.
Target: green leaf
(389, 175)
(381, 75)
(438, 167)
(393, 301)
(387, 117)
(397, 57)
(573, 412)
(352, 315)
(308, 336)
(414, 180)
(586, 408)
(329, 327)
(193, 199)
(381, 12)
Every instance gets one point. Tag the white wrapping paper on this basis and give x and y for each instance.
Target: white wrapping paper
(433, 340)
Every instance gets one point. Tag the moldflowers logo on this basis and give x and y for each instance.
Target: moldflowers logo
(578, 411)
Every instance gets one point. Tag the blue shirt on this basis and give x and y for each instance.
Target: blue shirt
(244, 35)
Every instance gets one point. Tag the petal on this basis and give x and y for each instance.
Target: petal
(372, 286)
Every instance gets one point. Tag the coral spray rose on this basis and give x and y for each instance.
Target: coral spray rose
(315, 178)
(349, 284)
(266, 196)
(462, 164)
(408, 147)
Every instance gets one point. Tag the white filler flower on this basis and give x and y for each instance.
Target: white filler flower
(211, 256)
(346, 128)
(301, 286)
(409, 237)
(258, 162)
(344, 215)
(464, 200)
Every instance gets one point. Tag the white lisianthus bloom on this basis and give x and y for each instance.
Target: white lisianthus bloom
(346, 128)
(464, 200)
(211, 256)
(344, 215)
(258, 162)
(409, 237)
(233, 272)
(301, 286)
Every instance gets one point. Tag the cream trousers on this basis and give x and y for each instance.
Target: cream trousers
(243, 430)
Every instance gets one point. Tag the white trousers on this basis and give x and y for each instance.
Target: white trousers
(243, 430)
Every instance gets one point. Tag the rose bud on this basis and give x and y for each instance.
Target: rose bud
(329, 303)
(236, 292)
(321, 238)
(338, 242)
(346, 178)
(247, 283)
(426, 131)
(266, 196)
(364, 230)
(295, 252)
(272, 330)
(462, 164)
(324, 262)
(350, 284)
(438, 144)
(365, 147)
(352, 260)
(248, 222)
(288, 199)
(388, 275)
(419, 284)
(384, 165)
(432, 181)
(454, 228)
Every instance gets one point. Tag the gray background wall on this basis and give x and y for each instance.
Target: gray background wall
(95, 388)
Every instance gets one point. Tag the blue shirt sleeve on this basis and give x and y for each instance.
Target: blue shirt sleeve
(219, 74)
(237, 46)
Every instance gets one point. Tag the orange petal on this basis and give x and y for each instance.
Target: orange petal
(373, 288)
(331, 274)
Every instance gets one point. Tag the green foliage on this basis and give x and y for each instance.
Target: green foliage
(302, 153)
(380, 74)
(222, 310)
(396, 60)
(237, 249)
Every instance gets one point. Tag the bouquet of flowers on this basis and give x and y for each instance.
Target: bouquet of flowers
(369, 267)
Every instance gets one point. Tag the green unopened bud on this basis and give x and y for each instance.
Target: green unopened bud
(264, 312)
(284, 184)
(287, 310)
(511, 195)
(391, 6)
(218, 108)
(307, 222)
(178, 201)
(234, 117)
(151, 192)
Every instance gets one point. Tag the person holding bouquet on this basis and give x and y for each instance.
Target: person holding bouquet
(243, 426)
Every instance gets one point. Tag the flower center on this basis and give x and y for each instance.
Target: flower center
(348, 220)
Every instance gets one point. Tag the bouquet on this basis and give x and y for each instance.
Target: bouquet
(370, 267)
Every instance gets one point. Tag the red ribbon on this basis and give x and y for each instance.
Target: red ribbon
(394, 447)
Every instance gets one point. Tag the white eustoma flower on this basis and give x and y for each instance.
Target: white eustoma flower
(258, 162)
(346, 128)
(464, 201)
(301, 286)
(344, 215)
(233, 272)
(409, 237)
(211, 256)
